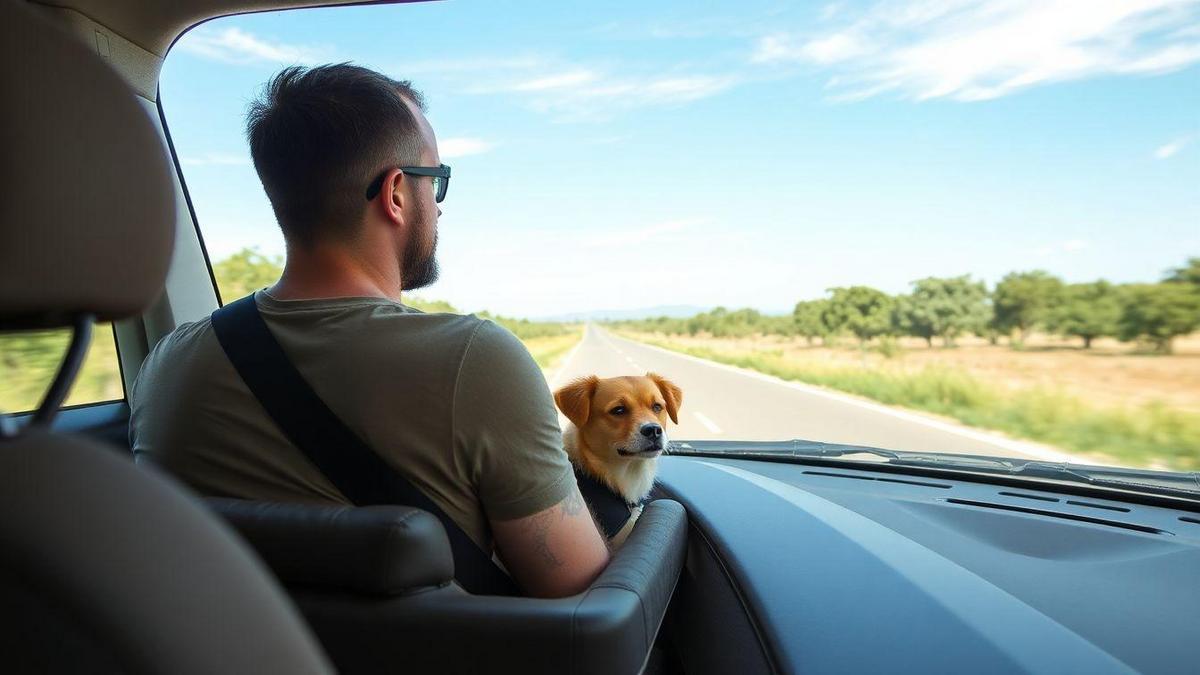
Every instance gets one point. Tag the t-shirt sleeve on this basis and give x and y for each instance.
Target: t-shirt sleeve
(506, 427)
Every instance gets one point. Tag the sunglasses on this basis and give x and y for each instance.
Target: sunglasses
(440, 175)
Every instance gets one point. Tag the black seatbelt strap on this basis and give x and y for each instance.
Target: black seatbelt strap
(358, 472)
(611, 509)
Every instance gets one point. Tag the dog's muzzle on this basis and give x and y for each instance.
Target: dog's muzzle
(651, 438)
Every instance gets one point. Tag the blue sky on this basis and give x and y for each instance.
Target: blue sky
(636, 154)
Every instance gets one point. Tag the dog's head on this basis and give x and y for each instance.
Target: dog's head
(621, 417)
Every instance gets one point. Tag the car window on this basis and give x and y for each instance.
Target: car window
(29, 361)
(866, 223)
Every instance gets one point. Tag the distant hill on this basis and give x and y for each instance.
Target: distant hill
(673, 311)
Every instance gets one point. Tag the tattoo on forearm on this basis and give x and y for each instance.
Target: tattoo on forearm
(572, 506)
(541, 531)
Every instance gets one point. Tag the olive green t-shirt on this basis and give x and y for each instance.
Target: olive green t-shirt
(454, 403)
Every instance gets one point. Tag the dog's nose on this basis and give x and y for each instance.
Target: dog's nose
(652, 430)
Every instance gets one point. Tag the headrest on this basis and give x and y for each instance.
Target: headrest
(86, 199)
(372, 550)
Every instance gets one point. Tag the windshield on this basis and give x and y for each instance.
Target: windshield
(968, 229)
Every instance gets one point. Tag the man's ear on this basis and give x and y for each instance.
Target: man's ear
(575, 399)
(671, 393)
(393, 198)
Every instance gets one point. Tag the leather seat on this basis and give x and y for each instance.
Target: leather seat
(376, 584)
(104, 566)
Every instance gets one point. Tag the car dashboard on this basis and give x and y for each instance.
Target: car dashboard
(804, 568)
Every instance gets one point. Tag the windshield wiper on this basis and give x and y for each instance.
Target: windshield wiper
(802, 448)
(1177, 484)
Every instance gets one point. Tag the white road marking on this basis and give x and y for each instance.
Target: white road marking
(629, 359)
(708, 424)
(1024, 447)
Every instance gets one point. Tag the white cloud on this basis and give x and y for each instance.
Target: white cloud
(823, 51)
(577, 92)
(655, 90)
(564, 80)
(216, 159)
(573, 90)
(969, 50)
(234, 45)
(601, 98)
(466, 65)
(462, 146)
(1172, 148)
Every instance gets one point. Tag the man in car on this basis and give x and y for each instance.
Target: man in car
(455, 404)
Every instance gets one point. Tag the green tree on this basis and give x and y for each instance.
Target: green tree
(723, 322)
(988, 328)
(806, 318)
(777, 324)
(909, 318)
(1188, 274)
(435, 306)
(742, 322)
(861, 310)
(1025, 300)
(246, 271)
(1158, 313)
(945, 307)
(1087, 311)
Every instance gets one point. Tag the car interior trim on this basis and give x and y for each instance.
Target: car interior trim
(1056, 514)
(187, 198)
(697, 533)
(936, 599)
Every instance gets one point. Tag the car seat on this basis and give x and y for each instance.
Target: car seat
(105, 566)
(376, 584)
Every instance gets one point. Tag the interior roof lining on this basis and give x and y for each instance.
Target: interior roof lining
(154, 25)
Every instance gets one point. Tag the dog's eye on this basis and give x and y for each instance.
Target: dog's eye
(619, 410)
(657, 407)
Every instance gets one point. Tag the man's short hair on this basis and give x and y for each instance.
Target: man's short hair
(320, 135)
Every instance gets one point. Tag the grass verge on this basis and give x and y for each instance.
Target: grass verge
(549, 350)
(1152, 435)
(29, 361)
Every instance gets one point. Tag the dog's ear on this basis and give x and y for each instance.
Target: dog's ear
(575, 399)
(670, 392)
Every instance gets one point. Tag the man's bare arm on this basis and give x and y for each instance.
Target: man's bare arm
(553, 553)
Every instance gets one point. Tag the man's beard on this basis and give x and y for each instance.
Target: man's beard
(420, 263)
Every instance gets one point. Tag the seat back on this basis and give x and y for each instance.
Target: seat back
(108, 568)
(104, 567)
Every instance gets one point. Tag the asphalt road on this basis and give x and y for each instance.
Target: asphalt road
(725, 403)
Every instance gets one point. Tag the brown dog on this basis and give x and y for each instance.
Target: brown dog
(617, 431)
